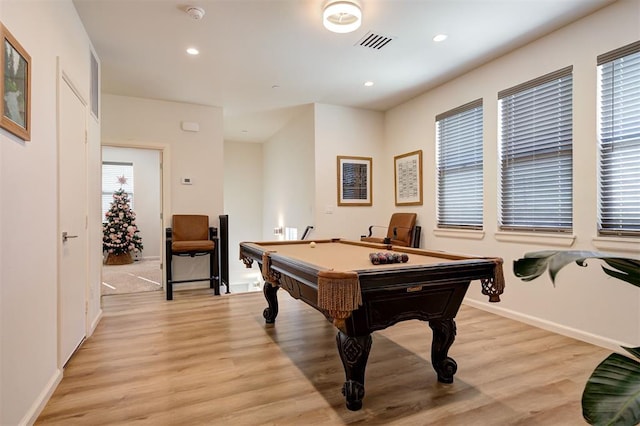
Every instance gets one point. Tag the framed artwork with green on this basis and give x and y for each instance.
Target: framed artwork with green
(15, 86)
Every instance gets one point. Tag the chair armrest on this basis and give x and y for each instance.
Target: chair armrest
(168, 233)
(213, 233)
(415, 239)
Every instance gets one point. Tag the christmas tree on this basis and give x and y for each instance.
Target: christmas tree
(120, 235)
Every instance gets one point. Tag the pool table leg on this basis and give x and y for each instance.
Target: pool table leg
(444, 333)
(270, 293)
(354, 352)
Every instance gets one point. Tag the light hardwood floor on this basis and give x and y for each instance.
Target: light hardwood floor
(207, 360)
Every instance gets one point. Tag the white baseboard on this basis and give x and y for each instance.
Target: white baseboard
(94, 323)
(581, 335)
(32, 414)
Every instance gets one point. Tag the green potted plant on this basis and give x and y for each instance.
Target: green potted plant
(612, 393)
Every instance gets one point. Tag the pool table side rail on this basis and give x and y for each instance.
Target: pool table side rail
(406, 278)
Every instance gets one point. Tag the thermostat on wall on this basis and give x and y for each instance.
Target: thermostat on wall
(186, 181)
(189, 126)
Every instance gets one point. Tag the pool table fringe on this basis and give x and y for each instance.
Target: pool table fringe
(494, 286)
(267, 274)
(339, 294)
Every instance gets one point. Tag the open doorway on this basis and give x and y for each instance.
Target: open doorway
(140, 170)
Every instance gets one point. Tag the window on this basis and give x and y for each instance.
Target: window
(111, 171)
(619, 141)
(459, 167)
(536, 162)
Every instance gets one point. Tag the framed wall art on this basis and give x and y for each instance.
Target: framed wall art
(354, 181)
(408, 179)
(15, 86)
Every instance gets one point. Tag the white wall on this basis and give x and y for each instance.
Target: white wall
(243, 203)
(146, 123)
(352, 132)
(147, 196)
(28, 216)
(584, 304)
(288, 184)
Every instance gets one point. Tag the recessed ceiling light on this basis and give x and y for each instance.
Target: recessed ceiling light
(440, 37)
(193, 51)
(368, 83)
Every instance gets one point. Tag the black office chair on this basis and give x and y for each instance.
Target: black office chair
(192, 236)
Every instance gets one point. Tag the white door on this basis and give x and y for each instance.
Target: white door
(72, 221)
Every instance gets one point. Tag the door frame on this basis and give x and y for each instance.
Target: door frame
(62, 79)
(165, 186)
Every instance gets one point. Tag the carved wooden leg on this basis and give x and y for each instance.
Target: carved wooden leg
(444, 333)
(270, 293)
(354, 352)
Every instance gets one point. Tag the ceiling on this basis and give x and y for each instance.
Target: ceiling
(260, 60)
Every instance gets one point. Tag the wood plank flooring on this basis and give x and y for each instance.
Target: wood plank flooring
(206, 360)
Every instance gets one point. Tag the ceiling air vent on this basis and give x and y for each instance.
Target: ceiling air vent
(375, 41)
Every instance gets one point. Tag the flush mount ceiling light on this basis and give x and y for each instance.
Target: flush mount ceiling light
(342, 16)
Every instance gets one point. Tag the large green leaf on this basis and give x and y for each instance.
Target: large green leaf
(533, 264)
(612, 393)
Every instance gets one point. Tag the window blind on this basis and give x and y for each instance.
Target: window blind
(536, 164)
(459, 167)
(619, 141)
(111, 171)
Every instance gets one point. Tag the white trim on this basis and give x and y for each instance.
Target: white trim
(631, 245)
(40, 402)
(560, 240)
(574, 333)
(467, 234)
(94, 324)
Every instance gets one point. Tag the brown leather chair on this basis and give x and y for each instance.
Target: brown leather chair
(191, 235)
(402, 231)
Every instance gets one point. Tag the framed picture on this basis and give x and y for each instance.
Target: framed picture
(15, 86)
(408, 179)
(354, 181)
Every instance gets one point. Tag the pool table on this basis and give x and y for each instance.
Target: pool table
(337, 277)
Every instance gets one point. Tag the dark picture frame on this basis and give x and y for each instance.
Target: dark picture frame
(15, 86)
(408, 178)
(354, 181)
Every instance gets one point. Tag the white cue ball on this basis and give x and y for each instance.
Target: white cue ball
(312, 244)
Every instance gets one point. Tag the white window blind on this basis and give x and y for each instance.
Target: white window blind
(619, 130)
(459, 167)
(111, 171)
(536, 161)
